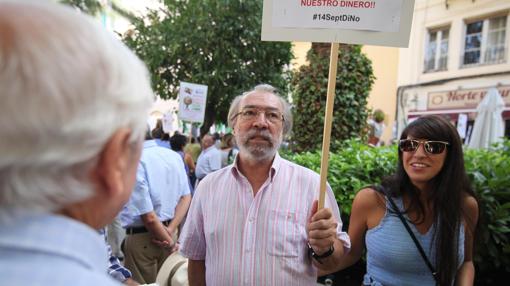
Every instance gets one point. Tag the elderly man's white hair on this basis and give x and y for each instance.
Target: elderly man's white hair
(266, 88)
(66, 86)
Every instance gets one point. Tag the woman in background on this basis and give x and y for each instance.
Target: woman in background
(228, 150)
(177, 143)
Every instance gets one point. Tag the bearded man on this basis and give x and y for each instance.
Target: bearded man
(256, 222)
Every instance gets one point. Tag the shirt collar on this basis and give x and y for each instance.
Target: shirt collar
(62, 236)
(209, 149)
(149, 143)
(275, 167)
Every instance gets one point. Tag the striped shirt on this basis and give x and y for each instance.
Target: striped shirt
(115, 268)
(255, 240)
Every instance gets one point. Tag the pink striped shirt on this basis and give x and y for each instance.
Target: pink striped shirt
(255, 240)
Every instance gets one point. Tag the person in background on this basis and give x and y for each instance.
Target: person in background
(83, 97)
(228, 150)
(159, 136)
(116, 234)
(166, 139)
(217, 140)
(156, 208)
(115, 268)
(177, 143)
(376, 128)
(193, 148)
(432, 190)
(209, 159)
(269, 231)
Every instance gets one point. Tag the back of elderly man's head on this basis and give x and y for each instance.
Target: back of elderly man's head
(66, 86)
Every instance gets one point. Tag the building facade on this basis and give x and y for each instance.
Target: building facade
(458, 50)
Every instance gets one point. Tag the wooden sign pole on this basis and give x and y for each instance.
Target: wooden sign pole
(328, 119)
(190, 132)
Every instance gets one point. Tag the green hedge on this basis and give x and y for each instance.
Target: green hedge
(489, 172)
(356, 165)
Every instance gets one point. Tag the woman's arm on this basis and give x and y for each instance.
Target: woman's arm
(189, 162)
(366, 208)
(466, 273)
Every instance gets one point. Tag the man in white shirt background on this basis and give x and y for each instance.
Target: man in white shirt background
(210, 159)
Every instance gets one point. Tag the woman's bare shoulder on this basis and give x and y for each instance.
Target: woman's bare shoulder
(368, 198)
(470, 206)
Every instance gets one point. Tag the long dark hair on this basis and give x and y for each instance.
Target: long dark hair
(449, 188)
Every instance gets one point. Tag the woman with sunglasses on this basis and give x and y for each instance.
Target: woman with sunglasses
(433, 194)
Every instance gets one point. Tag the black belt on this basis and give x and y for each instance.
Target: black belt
(142, 229)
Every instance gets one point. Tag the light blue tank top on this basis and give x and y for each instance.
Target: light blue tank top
(392, 256)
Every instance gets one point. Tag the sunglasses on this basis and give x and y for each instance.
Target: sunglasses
(431, 147)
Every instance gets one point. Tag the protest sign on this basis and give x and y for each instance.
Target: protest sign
(372, 22)
(168, 121)
(192, 101)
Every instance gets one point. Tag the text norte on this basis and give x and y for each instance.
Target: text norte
(473, 95)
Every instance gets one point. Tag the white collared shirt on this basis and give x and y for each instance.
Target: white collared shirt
(208, 162)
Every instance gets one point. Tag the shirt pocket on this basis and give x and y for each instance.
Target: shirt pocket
(287, 234)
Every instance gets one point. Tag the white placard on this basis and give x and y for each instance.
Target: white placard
(168, 121)
(462, 125)
(381, 16)
(371, 22)
(192, 101)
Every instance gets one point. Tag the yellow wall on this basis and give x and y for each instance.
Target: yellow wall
(384, 90)
(383, 94)
(299, 49)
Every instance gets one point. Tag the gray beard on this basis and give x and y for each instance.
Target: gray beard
(259, 153)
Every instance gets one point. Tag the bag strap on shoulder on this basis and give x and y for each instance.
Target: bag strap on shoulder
(408, 228)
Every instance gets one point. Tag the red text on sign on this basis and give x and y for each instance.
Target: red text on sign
(338, 3)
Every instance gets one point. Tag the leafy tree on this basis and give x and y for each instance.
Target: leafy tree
(211, 42)
(91, 7)
(309, 89)
(94, 7)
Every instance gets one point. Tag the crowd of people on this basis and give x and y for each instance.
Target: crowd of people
(81, 156)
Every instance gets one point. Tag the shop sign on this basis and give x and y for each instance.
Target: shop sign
(463, 99)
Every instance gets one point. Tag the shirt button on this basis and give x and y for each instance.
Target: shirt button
(252, 219)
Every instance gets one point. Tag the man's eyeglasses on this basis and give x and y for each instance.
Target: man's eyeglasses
(431, 147)
(248, 114)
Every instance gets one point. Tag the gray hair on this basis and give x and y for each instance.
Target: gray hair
(287, 113)
(66, 86)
